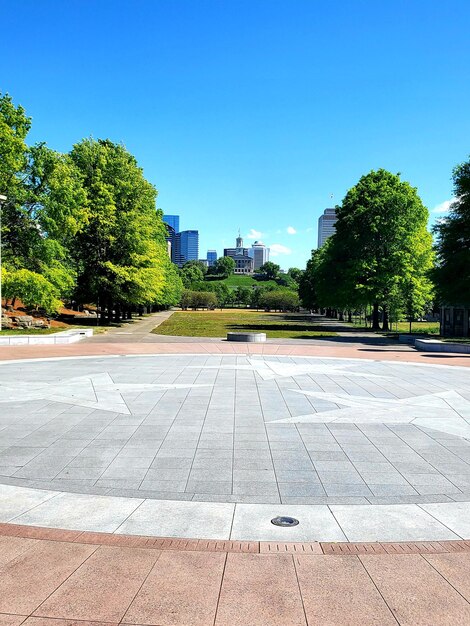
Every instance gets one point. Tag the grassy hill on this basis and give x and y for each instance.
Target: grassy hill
(238, 280)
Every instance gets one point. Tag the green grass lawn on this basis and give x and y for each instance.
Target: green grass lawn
(30, 331)
(423, 328)
(49, 331)
(238, 280)
(219, 323)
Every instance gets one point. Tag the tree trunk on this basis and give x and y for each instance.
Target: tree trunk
(350, 316)
(375, 316)
(341, 316)
(385, 325)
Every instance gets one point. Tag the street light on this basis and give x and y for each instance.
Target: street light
(3, 199)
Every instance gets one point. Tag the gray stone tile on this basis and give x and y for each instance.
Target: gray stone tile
(398, 522)
(299, 476)
(347, 490)
(339, 477)
(206, 486)
(167, 474)
(254, 475)
(251, 488)
(301, 489)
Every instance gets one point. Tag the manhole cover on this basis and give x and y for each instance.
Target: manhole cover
(284, 521)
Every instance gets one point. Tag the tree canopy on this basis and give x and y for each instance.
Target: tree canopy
(453, 243)
(380, 254)
(79, 226)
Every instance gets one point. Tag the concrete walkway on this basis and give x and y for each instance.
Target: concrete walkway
(230, 570)
(65, 579)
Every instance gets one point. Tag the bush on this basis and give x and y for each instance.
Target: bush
(281, 300)
(198, 300)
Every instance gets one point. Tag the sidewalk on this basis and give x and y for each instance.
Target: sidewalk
(86, 578)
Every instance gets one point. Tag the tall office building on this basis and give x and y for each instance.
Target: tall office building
(326, 225)
(186, 247)
(211, 257)
(260, 254)
(173, 221)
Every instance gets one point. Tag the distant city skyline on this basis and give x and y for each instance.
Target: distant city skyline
(251, 113)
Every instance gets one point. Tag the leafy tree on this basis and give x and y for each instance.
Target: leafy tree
(308, 282)
(242, 295)
(453, 243)
(295, 273)
(381, 224)
(270, 270)
(191, 274)
(200, 264)
(225, 266)
(121, 253)
(32, 289)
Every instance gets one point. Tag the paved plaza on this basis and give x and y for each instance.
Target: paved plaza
(138, 482)
(213, 446)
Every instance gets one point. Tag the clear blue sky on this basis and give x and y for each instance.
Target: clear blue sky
(250, 113)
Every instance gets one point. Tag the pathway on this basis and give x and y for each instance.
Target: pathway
(46, 578)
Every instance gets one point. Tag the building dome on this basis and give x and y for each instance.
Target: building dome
(258, 243)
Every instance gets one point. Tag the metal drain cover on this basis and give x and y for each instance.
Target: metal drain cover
(284, 521)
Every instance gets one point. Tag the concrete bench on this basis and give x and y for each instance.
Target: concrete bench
(247, 337)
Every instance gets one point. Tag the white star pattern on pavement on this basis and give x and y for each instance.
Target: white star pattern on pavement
(446, 411)
(97, 391)
(269, 370)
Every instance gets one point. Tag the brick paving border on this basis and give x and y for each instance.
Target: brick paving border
(252, 547)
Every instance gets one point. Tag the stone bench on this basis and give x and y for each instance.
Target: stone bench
(247, 337)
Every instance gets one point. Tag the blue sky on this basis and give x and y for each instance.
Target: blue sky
(250, 114)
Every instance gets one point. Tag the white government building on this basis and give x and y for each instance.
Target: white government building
(248, 260)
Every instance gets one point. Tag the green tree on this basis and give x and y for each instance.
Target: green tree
(270, 270)
(242, 295)
(191, 274)
(200, 264)
(224, 266)
(121, 253)
(381, 224)
(295, 273)
(35, 291)
(453, 243)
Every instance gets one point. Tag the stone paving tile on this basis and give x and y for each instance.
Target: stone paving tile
(415, 592)
(183, 588)
(327, 592)
(31, 577)
(262, 581)
(103, 587)
(80, 512)
(11, 547)
(398, 522)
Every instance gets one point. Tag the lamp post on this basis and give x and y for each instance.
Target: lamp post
(3, 199)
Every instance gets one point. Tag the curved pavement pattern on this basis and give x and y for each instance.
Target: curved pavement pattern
(214, 446)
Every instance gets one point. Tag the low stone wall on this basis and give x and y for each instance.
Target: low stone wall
(434, 345)
(66, 337)
(247, 337)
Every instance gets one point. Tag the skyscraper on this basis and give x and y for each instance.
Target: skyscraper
(211, 257)
(326, 225)
(186, 247)
(259, 254)
(173, 221)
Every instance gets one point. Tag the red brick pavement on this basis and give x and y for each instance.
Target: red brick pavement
(61, 578)
(354, 351)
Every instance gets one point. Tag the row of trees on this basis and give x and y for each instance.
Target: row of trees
(380, 256)
(80, 226)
